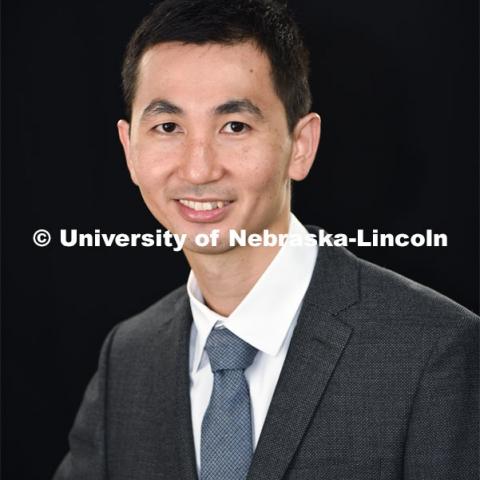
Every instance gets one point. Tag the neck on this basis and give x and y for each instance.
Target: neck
(225, 279)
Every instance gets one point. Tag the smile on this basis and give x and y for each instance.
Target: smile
(206, 211)
(204, 206)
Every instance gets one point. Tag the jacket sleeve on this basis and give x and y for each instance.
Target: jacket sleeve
(443, 433)
(86, 459)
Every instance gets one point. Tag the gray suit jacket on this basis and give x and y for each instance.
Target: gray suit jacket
(380, 382)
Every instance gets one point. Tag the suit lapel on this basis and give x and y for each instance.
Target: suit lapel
(184, 439)
(317, 344)
(170, 417)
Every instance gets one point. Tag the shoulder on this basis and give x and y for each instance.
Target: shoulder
(366, 293)
(400, 316)
(136, 331)
(394, 296)
(394, 300)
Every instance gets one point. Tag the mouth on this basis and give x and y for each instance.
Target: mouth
(203, 211)
(204, 206)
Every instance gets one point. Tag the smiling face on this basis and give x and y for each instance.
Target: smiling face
(209, 145)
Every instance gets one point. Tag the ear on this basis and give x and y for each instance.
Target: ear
(306, 137)
(124, 134)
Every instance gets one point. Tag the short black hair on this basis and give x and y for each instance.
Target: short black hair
(267, 23)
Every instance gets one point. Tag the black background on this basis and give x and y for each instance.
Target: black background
(396, 85)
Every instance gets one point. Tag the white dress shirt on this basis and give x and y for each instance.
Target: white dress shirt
(265, 319)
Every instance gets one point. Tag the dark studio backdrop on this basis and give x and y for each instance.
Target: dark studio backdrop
(396, 85)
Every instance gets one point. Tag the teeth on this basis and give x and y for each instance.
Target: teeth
(201, 206)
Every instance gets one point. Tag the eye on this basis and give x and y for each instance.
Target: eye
(235, 127)
(167, 127)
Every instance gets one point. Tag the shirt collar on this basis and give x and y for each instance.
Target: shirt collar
(264, 316)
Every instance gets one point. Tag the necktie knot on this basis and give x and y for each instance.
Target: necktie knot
(226, 351)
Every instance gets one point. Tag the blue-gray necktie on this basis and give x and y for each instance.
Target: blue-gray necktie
(226, 445)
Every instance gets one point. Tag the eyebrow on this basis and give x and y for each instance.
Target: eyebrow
(239, 106)
(157, 107)
(244, 105)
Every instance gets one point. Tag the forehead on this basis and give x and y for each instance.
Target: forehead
(204, 75)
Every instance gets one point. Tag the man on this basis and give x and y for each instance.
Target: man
(271, 363)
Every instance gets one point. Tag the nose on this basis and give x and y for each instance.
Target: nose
(200, 164)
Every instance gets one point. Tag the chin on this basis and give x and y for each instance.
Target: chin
(222, 247)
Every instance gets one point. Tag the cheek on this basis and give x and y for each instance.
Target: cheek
(151, 166)
(265, 170)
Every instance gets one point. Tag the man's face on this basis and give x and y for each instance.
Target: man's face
(209, 145)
